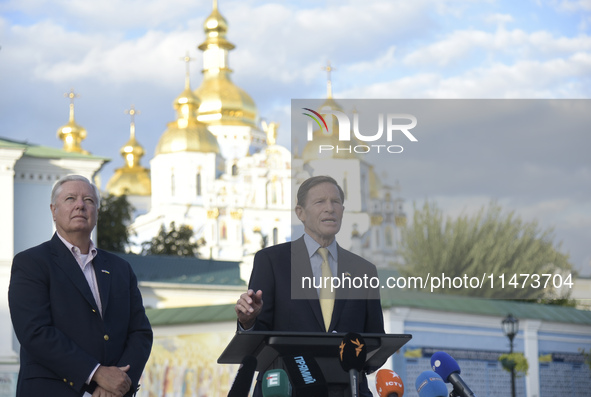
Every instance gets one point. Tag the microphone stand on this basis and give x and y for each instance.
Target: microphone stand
(354, 376)
(455, 393)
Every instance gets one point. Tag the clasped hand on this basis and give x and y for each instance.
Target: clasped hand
(112, 381)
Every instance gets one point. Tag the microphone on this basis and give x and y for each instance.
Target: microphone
(306, 376)
(243, 379)
(430, 384)
(389, 384)
(352, 358)
(449, 370)
(276, 384)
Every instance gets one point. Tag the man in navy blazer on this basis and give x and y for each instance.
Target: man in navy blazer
(278, 272)
(76, 310)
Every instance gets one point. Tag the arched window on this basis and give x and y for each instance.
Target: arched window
(224, 232)
(172, 183)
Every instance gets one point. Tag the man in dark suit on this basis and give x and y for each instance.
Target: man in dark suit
(278, 272)
(76, 310)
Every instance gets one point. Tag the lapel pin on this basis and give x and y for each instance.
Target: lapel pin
(105, 271)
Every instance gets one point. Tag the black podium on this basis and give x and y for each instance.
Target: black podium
(269, 347)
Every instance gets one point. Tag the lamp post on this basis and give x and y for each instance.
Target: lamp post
(510, 328)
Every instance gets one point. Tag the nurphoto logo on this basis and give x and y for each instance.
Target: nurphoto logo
(393, 124)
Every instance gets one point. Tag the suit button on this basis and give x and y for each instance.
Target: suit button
(106, 337)
(71, 383)
(65, 380)
(94, 311)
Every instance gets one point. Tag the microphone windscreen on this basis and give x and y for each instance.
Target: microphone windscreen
(306, 376)
(243, 379)
(276, 384)
(388, 382)
(352, 352)
(430, 384)
(444, 365)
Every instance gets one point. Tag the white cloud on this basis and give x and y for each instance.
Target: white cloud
(384, 60)
(108, 15)
(517, 44)
(499, 19)
(523, 79)
(573, 5)
(153, 58)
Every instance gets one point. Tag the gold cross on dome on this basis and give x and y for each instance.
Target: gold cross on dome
(71, 95)
(132, 112)
(328, 70)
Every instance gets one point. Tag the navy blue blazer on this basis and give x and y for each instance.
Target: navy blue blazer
(273, 273)
(56, 320)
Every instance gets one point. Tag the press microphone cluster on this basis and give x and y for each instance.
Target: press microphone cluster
(429, 384)
(243, 379)
(449, 370)
(389, 384)
(276, 384)
(352, 354)
(306, 376)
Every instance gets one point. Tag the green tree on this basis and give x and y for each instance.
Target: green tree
(175, 242)
(114, 216)
(489, 246)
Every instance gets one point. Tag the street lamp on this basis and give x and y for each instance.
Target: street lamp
(510, 328)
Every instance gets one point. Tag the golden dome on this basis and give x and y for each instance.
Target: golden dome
(130, 181)
(186, 104)
(132, 178)
(187, 137)
(222, 102)
(216, 27)
(72, 134)
(186, 134)
(132, 152)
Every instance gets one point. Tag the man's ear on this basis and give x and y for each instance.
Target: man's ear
(52, 208)
(299, 210)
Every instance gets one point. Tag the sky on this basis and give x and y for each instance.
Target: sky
(117, 53)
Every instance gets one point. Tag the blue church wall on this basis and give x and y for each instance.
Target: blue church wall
(454, 336)
(562, 367)
(567, 378)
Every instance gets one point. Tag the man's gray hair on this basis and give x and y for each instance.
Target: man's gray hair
(57, 188)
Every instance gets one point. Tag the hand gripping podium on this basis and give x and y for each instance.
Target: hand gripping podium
(270, 347)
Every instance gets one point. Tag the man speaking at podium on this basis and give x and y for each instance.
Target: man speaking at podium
(269, 304)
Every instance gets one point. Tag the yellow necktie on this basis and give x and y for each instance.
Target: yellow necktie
(326, 295)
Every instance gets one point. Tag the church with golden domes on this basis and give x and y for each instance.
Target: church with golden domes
(214, 168)
(218, 170)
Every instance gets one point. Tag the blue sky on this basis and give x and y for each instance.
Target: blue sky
(116, 53)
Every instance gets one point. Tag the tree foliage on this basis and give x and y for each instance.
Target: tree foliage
(175, 242)
(114, 216)
(488, 246)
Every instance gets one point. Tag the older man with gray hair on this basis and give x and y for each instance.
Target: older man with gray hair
(76, 309)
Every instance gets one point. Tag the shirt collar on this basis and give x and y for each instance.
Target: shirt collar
(91, 248)
(312, 246)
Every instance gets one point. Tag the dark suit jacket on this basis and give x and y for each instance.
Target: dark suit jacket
(274, 274)
(56, 320)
